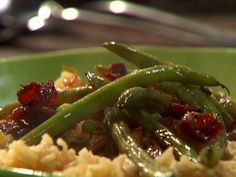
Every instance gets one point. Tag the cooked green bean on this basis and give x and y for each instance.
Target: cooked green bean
(6, 110)
(18, 172)
(102, 97)
(137, 97)
(197, 98)
(228, 104)
(180, 91)
(140, 59)
(96, 81)
(64, 96)
(71, 95)
(148, 167)
(144, 97)
(164, 137)
(90, 126)
(211, 154)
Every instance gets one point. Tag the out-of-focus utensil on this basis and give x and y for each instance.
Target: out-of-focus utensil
(121, 14)
(14, 15)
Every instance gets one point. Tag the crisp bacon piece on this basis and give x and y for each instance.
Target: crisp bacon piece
(69, 78)
(201, 126)
(97, 141)
(113, 72)
(98, 116)
(231, 131)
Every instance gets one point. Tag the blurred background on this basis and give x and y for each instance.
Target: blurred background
(29, 26)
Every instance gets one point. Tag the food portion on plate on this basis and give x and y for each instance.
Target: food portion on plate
(159, 120)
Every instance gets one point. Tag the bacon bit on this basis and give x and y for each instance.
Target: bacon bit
(178, 109)
(138, 135)
(113, 71)
(154, 151)
(98, 116)
(97, 141)
(231, 131)
(69, 78)
(201, 126)
(38, 103)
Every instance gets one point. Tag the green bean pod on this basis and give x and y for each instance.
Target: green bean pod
(6, 110)
(163, 136)
(197, 98)
(180, 91)
(138, 58)
(96, 81)
(63, 96)
(213, 153)
(144, 97)
(210, 155)
(228, 104)
(72, 95)
(19, 172)
(147, 166)
(109, 93)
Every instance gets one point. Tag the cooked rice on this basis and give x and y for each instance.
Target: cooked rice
(48, 157)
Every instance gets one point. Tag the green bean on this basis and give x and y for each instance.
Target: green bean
(210, 155)
(228, 104)
(64, 96)
(96, 81)
(197, 98)
(208, 104)
(71, 95)
(6, 110)
(147, 166)
(140, 59)
(164, 137)
(18, 172)
(227, 118)
(180, 91)
(74, 140)
(144, 97)
(109, 93)
(90, 126)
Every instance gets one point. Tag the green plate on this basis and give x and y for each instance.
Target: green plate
(47, 66)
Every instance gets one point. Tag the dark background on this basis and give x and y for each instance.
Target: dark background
(220, 14)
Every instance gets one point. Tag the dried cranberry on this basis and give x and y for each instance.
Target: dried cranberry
(201, 126)
(38, 103)
(38, 94)
(178, 109)
(15, 128)
(28, 94)
(113, 72)
(98, 116)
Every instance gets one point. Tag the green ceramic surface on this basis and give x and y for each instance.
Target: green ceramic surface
(47, 66)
